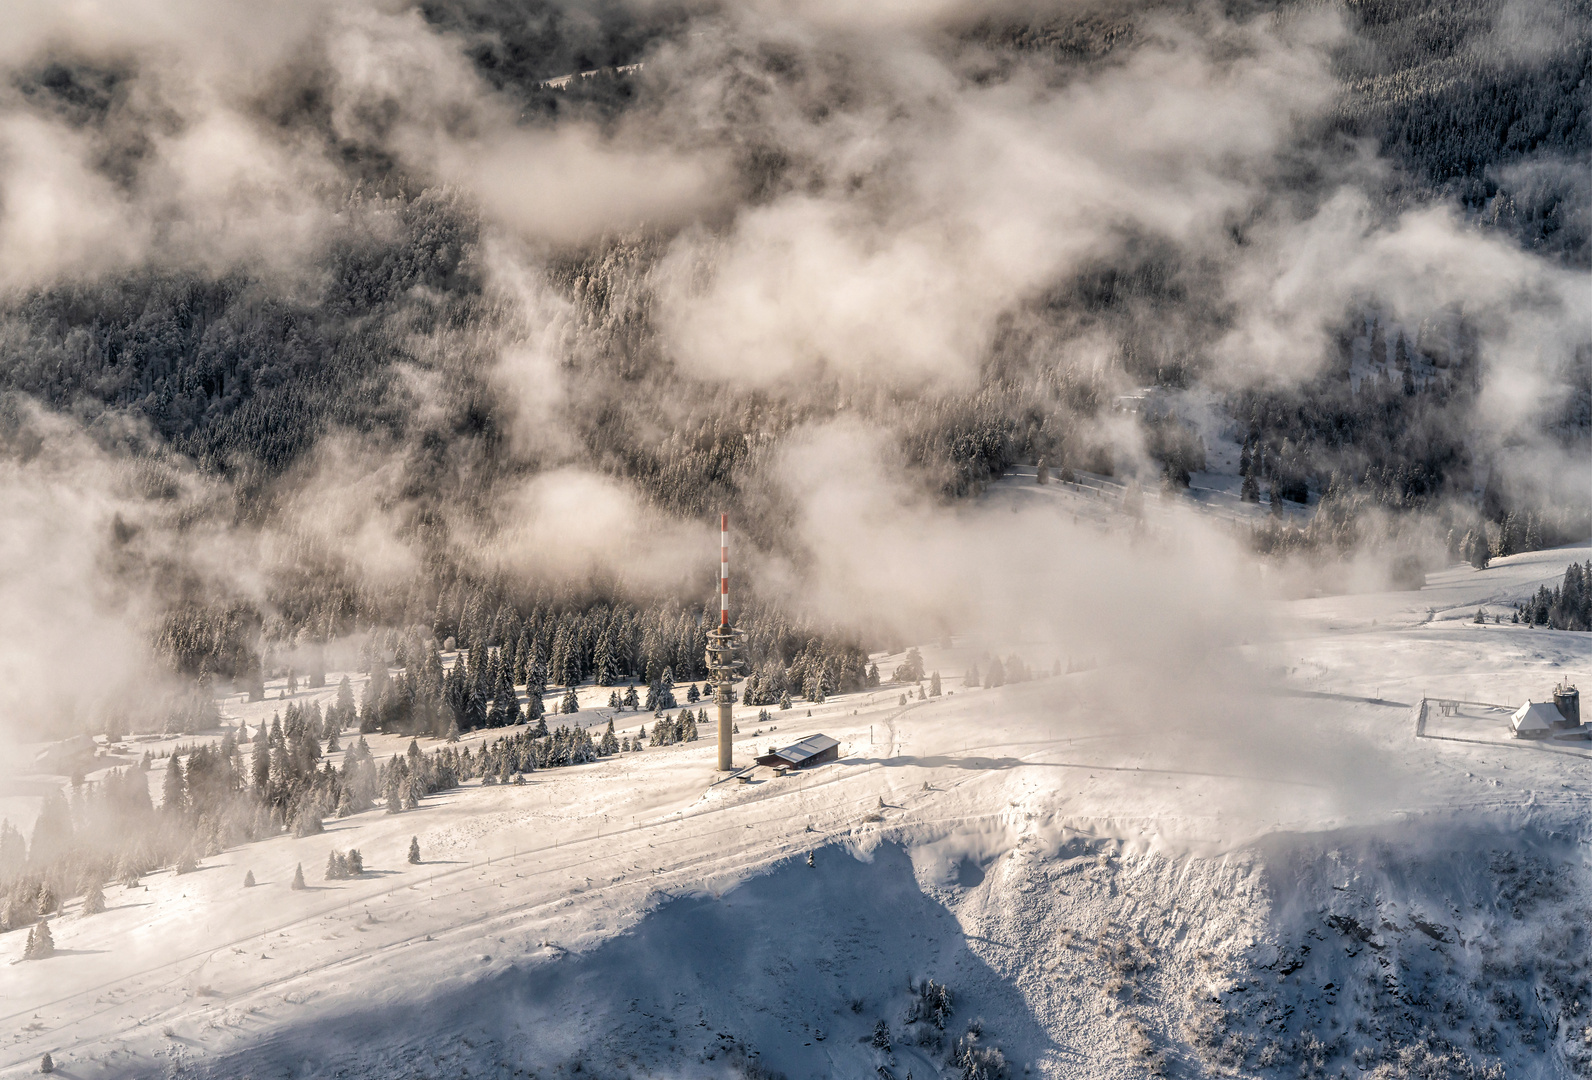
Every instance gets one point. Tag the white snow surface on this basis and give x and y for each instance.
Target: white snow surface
(1295, 883)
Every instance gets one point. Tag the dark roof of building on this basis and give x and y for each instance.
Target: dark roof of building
(799, 753)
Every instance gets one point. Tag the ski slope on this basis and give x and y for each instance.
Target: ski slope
(1280, 878)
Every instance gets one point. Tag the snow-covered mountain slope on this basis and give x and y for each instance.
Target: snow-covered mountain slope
(1279, 878)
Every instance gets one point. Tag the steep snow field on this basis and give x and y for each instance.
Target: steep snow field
(1277, 879)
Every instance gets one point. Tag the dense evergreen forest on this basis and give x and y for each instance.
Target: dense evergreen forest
(387, 337)
(231, 392)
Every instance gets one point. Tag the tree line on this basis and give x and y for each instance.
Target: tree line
(224, 794)
(1567, 606)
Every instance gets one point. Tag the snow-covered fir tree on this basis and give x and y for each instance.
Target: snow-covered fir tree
(910, 670)
(41, 943)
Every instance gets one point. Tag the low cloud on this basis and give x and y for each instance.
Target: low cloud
(934, 205)
(571, 525)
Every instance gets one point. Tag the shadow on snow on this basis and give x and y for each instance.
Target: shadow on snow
(794, 967)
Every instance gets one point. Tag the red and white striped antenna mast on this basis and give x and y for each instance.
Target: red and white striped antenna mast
(723, 643)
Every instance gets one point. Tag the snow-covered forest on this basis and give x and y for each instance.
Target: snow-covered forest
(1154, 396)
(397, 377)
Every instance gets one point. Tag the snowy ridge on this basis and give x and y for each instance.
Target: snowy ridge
(1298, 885)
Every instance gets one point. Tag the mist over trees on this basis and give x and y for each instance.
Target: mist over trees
(377, 373)
(1460, 94)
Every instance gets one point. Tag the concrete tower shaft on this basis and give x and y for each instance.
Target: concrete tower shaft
(723, 643)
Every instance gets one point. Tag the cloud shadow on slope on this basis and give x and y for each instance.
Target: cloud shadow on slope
(795, 966)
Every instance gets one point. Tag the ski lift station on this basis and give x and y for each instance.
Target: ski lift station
(1541, 719)
(813, 750)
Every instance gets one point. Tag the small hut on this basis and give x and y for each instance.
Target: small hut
(813, 750)
(1535, 720)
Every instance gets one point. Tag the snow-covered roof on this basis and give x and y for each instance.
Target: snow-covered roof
(1536, 716)
(799, 752)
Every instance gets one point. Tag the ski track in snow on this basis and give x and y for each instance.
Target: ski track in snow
(1312, 889)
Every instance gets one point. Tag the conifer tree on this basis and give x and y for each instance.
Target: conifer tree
(934, 685)
(474, 705)
(414, 850)
(523, 651)
(535, 673)
(171, 787)
(818, 687)
(94, 899)
(344, 705)
(605, 664)
(41, 943)
(784, 699)
(370, 706)
(298, 878)
(571, 703)
(693, 695)
(505, 703)
(911, 667)
(632, 699)
(248, 879)
(1480, 552)
(46, 1063)
(51, 830)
